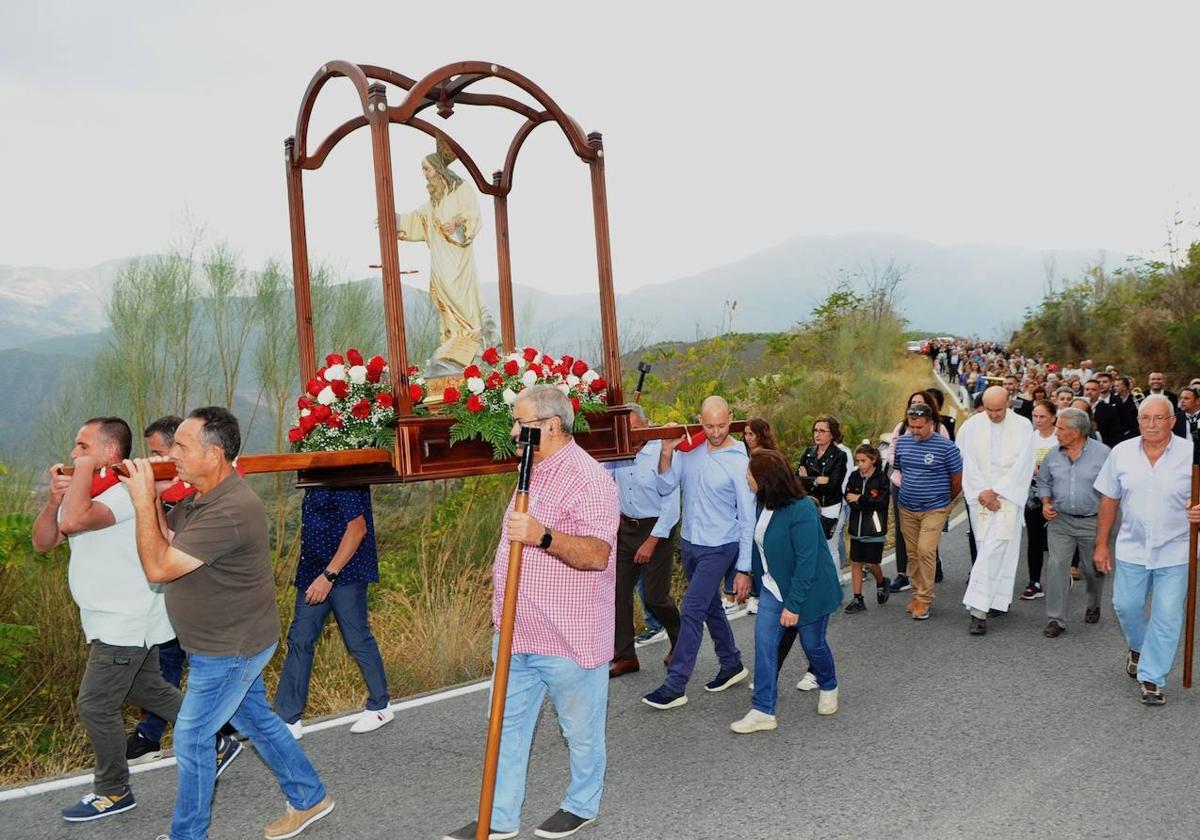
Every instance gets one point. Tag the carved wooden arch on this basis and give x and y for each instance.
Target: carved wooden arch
(442, 89)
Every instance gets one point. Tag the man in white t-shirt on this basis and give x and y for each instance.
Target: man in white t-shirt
(123, 616)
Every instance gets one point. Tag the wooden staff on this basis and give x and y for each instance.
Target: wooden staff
(285, 462)
(1189, 641)
(530, 438)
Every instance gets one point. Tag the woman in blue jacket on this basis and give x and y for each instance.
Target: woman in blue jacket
(799, 584)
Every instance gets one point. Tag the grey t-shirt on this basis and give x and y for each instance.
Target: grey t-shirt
(226, 606)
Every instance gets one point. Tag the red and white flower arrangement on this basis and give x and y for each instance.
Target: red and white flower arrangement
(482, 404)
(348, 405)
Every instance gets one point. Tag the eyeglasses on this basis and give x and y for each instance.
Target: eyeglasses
(821, 432)
(524, 424)
(1155, 418)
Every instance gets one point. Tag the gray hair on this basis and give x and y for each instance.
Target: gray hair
(549, 402)
(1077, 420)
(1156, 398)
(634, 408)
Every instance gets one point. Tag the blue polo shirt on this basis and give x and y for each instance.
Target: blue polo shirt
(926, 467)
(325, 513)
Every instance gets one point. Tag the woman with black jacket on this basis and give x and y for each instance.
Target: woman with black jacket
(822, 470)
(867, 495)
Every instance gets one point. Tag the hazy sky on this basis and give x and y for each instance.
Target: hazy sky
(1050, 125)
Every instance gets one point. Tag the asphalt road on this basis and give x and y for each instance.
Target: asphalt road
(940, 735)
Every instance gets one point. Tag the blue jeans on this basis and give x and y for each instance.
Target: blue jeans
(170, 663)
(222, 688)
(580, 698)
(652, 623)
(704, 567)
(348, 603)
(1158, 639)
(767, 634)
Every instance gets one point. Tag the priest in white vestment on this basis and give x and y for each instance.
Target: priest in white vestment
(998, 456)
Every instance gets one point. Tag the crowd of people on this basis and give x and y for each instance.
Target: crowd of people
(1096, 474)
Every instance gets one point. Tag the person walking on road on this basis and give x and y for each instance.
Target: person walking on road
(1070, 504)
(1148, 479)
(1044, 440)
(868, 497)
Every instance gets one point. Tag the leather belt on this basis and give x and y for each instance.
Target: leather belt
(635, 521)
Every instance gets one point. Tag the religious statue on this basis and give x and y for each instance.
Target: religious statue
(448, 223)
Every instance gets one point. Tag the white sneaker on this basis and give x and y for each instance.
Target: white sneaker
(827, 702)
(370, 720)
(752, 606)
(297, 729)
(808, 682)
(754, 721)
(733, 609)
(648, 638)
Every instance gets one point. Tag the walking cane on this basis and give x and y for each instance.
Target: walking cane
(529, 438)
(1193, 532)
(643, 369)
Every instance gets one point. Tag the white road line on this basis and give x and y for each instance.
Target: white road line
(66, 782)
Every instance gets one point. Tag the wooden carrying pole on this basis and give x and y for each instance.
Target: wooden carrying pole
(530, 438)
(285, 462)
(1189, 639)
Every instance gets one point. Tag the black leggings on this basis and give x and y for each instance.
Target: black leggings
(1035, 527)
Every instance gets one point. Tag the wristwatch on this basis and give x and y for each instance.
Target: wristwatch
(547, 538)
(330, 576)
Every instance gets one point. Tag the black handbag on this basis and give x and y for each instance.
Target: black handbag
(829, 525)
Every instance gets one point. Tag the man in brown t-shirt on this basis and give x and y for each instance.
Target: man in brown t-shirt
(212, 553)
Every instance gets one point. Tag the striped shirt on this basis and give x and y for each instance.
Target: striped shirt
(928, 466)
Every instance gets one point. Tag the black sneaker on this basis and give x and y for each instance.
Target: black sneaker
(901, 583)
(1152, 695)
(141, 750)
(467, 832)
(856, 605)
(94, 806)
(1032, 592)
(227, 750)
(725, 679)
(661, 698)
(562, 824)
(883, 591)
(978, 626)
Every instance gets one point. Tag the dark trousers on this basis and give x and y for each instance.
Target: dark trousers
(704, 567)
(1035, 527)
(656, 582)
(116, 675)
(170, 661)
(348, 603)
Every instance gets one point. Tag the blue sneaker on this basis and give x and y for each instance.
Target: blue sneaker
(662, 698)
(725, 679)
(900, 583)
(227, 750)
(93, 806)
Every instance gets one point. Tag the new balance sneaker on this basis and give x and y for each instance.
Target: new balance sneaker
(883, 590)
(227, 750)
(663, 698)
(467, 832)
(733, 609)
(1152, 695)
(649, 637)
(370, 720)
(297, 729)
(293, 822)
(856, 605)
(141, 750)
(901, 583)
(808, 682)
(726, 678)
(1033, 591)
(752, 605)
(94, 807)
(562, 824)
(754, 721)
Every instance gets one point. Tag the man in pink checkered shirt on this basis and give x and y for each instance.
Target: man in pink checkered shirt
(563, 636)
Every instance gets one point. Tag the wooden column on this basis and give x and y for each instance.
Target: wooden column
(608, 299)
(305, 343)
(508, 333)
(385, 208)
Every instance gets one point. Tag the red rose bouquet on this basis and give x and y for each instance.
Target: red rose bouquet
(482, 403)
(349, 405)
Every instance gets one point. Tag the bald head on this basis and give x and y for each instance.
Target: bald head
(714, 406)
(715, 417)
(995, 403)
